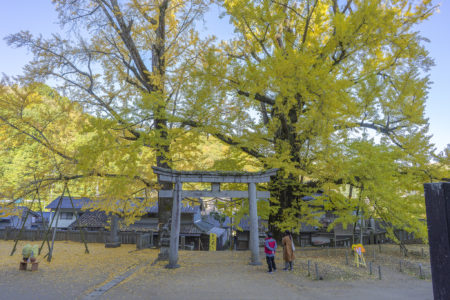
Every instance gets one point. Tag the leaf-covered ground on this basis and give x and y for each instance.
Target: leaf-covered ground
(210, 275)
(71, 272)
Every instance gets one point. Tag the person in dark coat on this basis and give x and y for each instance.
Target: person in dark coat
(270, 246)
(288, 250)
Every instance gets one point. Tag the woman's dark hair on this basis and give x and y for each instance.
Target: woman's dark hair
(287, 232)
(269, 234)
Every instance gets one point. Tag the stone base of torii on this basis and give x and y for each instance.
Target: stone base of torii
(215, 178)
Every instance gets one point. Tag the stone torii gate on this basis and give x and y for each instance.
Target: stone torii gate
(215, 178)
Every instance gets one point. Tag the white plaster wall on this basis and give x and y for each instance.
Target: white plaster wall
(63, 223)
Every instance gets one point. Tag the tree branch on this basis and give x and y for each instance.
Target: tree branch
(48, 146)
(259, 97)
(226, 139)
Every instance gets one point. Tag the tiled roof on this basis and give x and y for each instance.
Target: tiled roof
(22, 209)
(339, 229)
(217, 230)
(190, 229)
(204, 226)
(80, 202)
(96, 219)
(210, 219)
(141, 227)
(184, 228)
(77, 202)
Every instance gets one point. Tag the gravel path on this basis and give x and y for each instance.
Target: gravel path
(202, 275)
(225, 275)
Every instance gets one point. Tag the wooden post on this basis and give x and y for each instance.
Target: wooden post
(309, 268)
(57, 216)
(254, 232)
(139, 241)
(420, 272)
(175, 228)
(437, 201)
(335, 251)
(400, 266)
(346, 257)
(45, 236)
(183, 242)
(50, 253)
(379, 272)
(317, 271)
(370, 268)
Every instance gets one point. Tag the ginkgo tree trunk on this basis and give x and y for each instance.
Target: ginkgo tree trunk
(305, 82)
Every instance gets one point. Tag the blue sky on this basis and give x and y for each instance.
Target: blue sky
(39, 17)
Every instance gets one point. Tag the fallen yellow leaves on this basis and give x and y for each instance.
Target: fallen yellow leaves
(71, 268)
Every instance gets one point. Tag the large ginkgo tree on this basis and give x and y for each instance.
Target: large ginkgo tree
(333, 94)
(125, 63)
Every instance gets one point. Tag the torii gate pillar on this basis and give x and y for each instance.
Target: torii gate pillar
(175, 228)
(254, 232)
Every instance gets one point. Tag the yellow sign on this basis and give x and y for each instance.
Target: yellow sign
(212, 241)
(359, 256)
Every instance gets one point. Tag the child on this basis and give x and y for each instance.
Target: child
(270, 246)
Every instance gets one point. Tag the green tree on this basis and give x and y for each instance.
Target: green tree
(48, 141)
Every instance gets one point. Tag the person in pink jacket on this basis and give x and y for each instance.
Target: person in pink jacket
(270, 246)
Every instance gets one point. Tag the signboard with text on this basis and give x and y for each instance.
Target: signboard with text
(212, 241)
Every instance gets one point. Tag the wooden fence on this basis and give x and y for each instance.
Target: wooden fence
(75, 236)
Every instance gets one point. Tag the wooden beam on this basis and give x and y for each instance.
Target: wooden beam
(212, 194)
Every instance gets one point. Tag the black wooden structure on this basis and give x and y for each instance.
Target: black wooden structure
(437, 198)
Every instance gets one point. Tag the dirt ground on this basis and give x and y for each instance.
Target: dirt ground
(212, 275)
